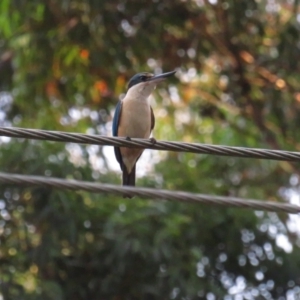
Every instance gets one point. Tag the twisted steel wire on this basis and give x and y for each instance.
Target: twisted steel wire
(156, 194)
(59, 136)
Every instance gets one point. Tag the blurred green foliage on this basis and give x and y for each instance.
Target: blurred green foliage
(63, 65)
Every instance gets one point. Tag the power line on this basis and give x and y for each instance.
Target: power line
(147, 193)
(59, 136)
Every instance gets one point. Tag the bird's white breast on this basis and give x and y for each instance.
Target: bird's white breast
(135, 122)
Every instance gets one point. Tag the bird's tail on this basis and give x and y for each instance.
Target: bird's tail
(128, 179)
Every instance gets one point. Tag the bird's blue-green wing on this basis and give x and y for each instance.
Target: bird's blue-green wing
(152, 118)
(116, 119)
(115, 126)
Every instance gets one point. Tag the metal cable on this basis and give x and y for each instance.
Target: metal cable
(147, 193)
(59, 136)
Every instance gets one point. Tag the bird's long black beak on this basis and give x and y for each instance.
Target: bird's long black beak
(161, 77)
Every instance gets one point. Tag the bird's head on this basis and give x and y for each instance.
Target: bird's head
(142, 84)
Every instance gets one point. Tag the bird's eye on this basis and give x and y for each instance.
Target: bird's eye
(143, 78)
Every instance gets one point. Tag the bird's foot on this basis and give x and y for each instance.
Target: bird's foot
(128, 138)
(153, 140)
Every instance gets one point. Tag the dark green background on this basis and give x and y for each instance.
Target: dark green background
(63, 65)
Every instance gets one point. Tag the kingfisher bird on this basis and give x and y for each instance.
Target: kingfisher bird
(134, 118)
